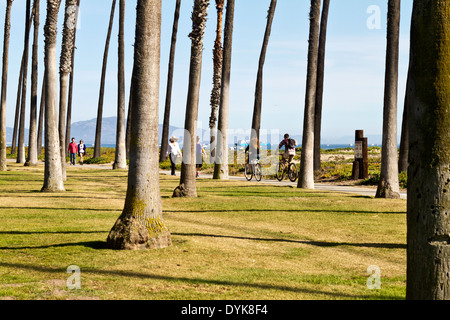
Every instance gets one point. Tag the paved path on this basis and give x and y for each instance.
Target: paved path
(364, 191)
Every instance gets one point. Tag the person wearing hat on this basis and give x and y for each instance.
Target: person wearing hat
(173, 151)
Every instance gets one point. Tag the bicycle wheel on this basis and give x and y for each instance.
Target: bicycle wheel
(280, 171)
(258, 172)
(248, 172)
(293, 173)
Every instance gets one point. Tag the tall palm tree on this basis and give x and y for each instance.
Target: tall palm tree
(41, 119)
(17, 113)
(428, 230)
(53, 178)
(320, 84)
(404, 141)
(188, 179)
(130, 109)
(217, 80)
(21, 138)
(120, 161)
(6, 37)
(256, 121)
(98, 128)
(166, 121)
(141, 225)
(306, 177)
(71, 80)
(65, 68)
(388, 187)
(221, 158)
(32, 132)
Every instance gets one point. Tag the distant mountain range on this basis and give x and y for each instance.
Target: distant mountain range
(86, 130)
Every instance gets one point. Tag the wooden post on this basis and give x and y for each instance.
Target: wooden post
(361, 163)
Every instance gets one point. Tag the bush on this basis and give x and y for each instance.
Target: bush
(99, 160)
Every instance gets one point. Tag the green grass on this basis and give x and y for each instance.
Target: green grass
(237, 240)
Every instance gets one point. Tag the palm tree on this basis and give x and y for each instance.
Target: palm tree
(320, 83)
(98, 129)
(256, 121)
(166, 121)
(120, 161)
(388, 187)
(141, 225)
(306, 177)
(32, 134)
(65, 68)
(221, 158)
(130, 109)
(21, 138)
(188, 179)
(17, 114)
(71, 79)
(53, 178)
(404, 143)
(41, 119)
(6, 37)
(428, 230)
(217, 80)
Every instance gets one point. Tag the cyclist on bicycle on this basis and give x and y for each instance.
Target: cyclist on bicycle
(253, 150)
(289, 147)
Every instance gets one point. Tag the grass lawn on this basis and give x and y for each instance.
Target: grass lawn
(237, 240)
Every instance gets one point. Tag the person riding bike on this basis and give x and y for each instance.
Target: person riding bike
(289, 147)
(253, 150)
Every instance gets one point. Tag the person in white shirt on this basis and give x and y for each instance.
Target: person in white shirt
(173, 152)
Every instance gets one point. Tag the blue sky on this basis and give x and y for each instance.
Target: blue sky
(354, 75)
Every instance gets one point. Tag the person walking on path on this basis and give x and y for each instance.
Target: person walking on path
(81, 151)
(173, 152)
(73, 149)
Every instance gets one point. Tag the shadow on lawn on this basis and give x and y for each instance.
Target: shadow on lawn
(308, 242)
(192, 281)
(98, 245)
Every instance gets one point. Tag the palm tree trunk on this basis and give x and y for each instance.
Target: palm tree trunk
(65, 68)
(404, 141)
(256, 121)
(121, 151)
(188, 179)
(3, 166)
(41, 119)
(306, 177)
(221, 163)
(32, 134)
(17, 114)
(71, 78)
(217, 80)
(320, 84)
(428, 227)
(130, 109)
(21, 139)
(98, 129)
(388, 187)
(53, 179)
(166, 122)
(141, 225)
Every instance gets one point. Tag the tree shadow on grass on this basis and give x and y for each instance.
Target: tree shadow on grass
(307, 242)
(102, 245)
(283, 210)
(193, 281)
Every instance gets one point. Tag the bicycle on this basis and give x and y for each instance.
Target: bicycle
(253, 169)
(287, 168)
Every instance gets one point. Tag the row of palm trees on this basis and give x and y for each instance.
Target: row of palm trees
(428, 93)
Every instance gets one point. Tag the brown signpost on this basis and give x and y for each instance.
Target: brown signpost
(361, 163)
